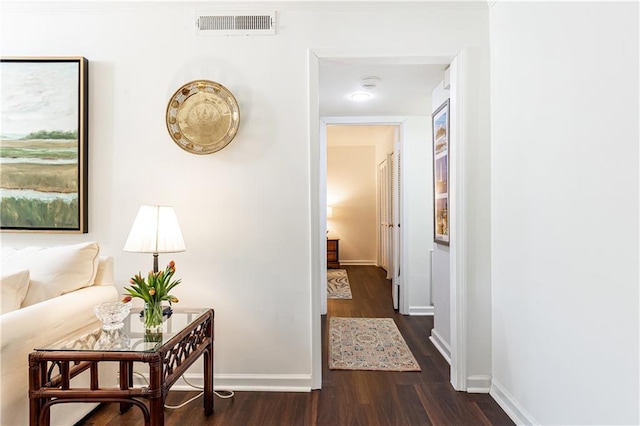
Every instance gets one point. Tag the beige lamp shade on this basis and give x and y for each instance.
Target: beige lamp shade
(155, 230)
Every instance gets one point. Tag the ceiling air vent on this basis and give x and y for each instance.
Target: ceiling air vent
(236, 23)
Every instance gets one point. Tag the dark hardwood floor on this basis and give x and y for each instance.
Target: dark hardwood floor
(347, 397)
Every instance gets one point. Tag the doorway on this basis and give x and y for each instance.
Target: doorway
(467, 67)
(363, 195)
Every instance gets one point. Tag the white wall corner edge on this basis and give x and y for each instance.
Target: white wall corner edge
(510, 405)
(441, 345)
(425, 311)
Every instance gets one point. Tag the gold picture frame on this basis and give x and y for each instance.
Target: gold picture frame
(43, 146)
(440, 128)
(202, 117)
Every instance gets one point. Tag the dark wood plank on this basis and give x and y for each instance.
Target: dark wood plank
(367, 398)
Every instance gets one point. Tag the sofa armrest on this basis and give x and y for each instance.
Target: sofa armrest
(104, 274)
(21, 331)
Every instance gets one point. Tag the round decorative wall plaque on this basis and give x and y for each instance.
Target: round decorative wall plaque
(203, 117)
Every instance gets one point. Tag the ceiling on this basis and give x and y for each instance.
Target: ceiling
(402, 89)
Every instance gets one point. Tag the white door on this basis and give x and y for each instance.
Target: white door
(384, 217)
(389, 216)
(389, 220)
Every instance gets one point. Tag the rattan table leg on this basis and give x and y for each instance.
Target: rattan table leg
(156, 394)
(208, 377)
(125, 372)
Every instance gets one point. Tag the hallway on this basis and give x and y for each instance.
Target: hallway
(391, 398)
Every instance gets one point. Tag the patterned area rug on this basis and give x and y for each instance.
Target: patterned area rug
(368, 344)
(338, 284)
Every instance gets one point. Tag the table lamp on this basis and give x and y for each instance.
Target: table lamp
(329, 216)
(155, 230)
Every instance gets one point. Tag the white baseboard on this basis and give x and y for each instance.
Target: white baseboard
(244, 382)
(441, 345)
(480, 383)
(264, 382)
(359, 262)
(424, 311)
(510, 405)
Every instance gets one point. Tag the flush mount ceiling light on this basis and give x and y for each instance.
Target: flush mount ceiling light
(360, 96)
(369, 83)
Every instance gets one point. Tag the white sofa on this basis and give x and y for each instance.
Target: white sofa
(63, 285)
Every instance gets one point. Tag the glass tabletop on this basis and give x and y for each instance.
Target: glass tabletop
(132, 337)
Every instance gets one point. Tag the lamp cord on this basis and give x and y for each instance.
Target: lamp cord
(224, 395)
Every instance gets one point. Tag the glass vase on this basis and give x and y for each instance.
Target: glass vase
(153, 316)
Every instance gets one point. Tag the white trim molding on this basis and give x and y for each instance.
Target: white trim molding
(441, 345)
(242, 382)
(424, 311)
(457, 264)
(359, 262)
(318, 220)
(480, 383)
(264, 382)
(510, 405)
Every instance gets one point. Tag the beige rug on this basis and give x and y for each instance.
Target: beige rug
(338, 284)
(368, 344)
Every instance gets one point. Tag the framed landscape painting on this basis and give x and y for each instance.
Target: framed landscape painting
(440, 127)
(43, 144)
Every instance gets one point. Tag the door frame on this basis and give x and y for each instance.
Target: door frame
(317, 203)
(351, 121)
(401, 302)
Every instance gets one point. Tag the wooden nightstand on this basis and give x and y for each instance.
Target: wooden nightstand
(333, 253)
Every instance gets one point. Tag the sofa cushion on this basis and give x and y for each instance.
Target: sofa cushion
(54, 270)
(13, 288)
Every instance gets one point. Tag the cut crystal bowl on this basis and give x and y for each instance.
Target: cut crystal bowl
(112, 314)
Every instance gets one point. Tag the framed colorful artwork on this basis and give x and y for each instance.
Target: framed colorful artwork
(43, 144)
(440, 128)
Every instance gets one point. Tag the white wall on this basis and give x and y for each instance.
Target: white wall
(441, 333)
(564, 96)
(351, 191)
(366, 133)
(470, 217)
(417, 214)
(245, 210)
(386, 145)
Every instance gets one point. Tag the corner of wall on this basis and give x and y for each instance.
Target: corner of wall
(441, 345)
